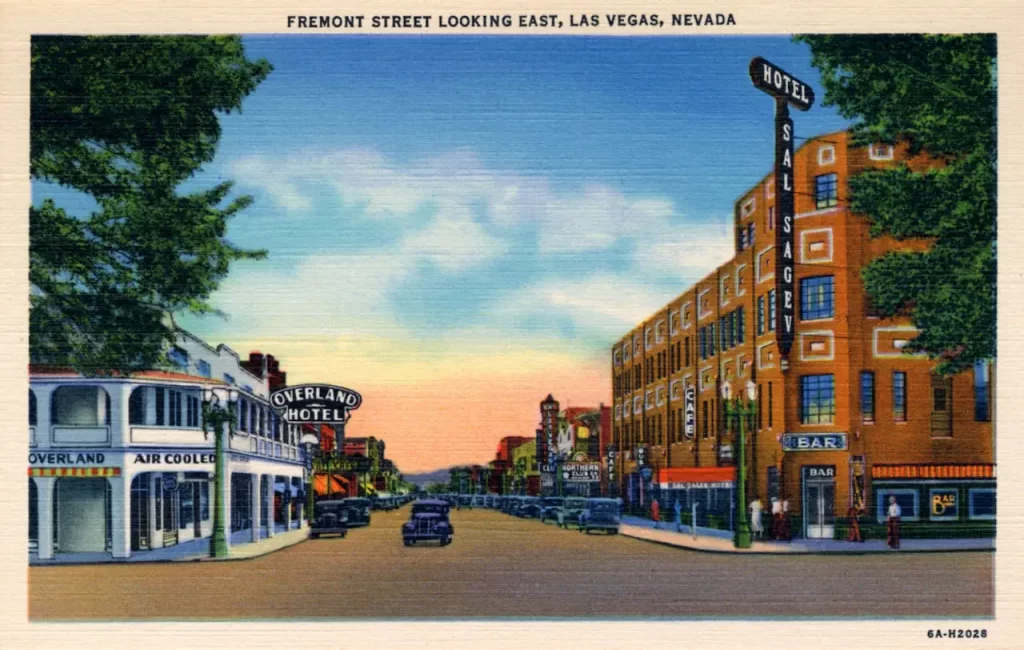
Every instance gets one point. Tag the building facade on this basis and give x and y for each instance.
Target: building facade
(120, 465)
(848, 418)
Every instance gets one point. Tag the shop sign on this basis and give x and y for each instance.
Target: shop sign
(581, 472)
(814, 442)
(68, 458)
(354, 464)
(612, 456)
(713, 485)
(725, 452)
(315, 403)
(174, 459)
(170, 482)
(778, 83)
(641, 455)
(690, 412)
(944, 503)
(819, 472)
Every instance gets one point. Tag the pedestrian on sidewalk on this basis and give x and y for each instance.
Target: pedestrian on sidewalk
(893, 523)
(854, 515)
(776, 518)
(755, 517)
(679, 515)
(655, 512)
(787, 533)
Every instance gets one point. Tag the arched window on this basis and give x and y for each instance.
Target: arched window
(80, 406)
(31, 408)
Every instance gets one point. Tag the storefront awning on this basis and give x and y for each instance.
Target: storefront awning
(686, 478)
(338, 485)
(933, 471)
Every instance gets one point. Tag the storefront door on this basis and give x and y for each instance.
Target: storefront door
(171, 505)
(82, 522)
(196, 516)
(819, 501)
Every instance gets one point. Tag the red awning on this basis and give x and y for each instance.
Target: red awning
(697, 475)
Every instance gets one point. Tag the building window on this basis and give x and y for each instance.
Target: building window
(944, 504)
(711, 339)
(982, 411)
(723, 326)
(760, 408)
(743, 239)
(771, 218)
(826, 155)
(981, 503)
(686, 347)
(80, 406)
(192, 419)
(771, 407)
(760, 315)
(739, 326)
(243, 414)
(771, 310)
(880, 151)
(31, 408)
(175, 408)
(229, 379)
(178, 358)
(749, 206)
(825, 191)
(816, 298)
(906, 498)
(203, 368)
(704, 419)
(942, 406)
(899, 396)
(817, 399)
(867, 397)
(750, 234)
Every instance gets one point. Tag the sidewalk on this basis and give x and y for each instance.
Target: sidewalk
(196, 550)
(721, 542)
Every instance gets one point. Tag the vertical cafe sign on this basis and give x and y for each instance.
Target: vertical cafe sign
(787, 91)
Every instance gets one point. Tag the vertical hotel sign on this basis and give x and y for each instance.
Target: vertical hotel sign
(787, 90)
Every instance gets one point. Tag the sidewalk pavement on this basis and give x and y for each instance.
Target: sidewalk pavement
(196, 550)
(644, 529)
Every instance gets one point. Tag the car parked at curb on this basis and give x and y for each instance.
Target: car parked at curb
(358, 511)
(549, 508)
(569, 513)
(600, 514)
(529, 508)
(429, 521)
(330, 517)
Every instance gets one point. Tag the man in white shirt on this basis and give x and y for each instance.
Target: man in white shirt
(893, 523)
(755, 517)
(776, 518)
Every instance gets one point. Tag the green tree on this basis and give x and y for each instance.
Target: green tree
(937, 93)
(124, 120)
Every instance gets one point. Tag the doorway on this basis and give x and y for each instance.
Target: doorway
(819, 501)
(82, 520)
(171, 503)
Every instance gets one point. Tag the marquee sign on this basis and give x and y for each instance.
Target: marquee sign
(787, 90)
(315, 403)
(690, 413)
(581, 472)
(354, 464)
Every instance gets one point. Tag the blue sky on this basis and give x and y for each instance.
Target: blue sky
(449, 213)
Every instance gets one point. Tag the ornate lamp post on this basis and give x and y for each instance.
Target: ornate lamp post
(741, 410)
(219, 409)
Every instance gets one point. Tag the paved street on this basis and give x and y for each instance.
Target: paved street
(500, 566)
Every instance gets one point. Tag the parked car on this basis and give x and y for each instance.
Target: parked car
(358, 511)
(529, 508)
(330, 517)
(549, 508)
(429, 520)
(512, 505)
(569, 513)
(600, 514)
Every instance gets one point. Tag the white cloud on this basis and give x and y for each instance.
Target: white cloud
(453, 241)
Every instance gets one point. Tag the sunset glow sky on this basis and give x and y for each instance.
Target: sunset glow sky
(457, 227)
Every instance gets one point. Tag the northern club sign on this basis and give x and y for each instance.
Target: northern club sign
(787, 90)
(315, 403)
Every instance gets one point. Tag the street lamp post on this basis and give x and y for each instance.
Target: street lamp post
(215, 416)
(741, 410)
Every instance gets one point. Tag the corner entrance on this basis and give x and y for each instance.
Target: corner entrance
(819, 500)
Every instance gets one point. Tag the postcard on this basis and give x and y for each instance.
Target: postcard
(584, 324)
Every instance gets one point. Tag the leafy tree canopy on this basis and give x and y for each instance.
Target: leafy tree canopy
(938, 94)
(125, 120)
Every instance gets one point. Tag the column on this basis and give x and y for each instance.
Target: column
(289, 501)
(44, 418)
(268, 497)
(120, 514)
(225, 498)
(44, 510)
(156, 486)
(255, 506)
(120, 429)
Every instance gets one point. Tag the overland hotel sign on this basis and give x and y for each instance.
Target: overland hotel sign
(315, 403)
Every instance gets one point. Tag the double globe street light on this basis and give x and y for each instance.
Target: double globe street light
(741, 410)
(219, 409)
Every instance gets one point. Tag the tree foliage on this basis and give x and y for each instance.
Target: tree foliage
(125, 120)
(938, 94)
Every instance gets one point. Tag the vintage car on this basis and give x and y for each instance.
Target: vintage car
(600, 514)
(569, 513)
(549, 508)
(330, 517)
(529, 508)
(511, 505)
(358, 511)
(429, 520)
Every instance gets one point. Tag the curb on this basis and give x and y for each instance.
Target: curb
(698, 549)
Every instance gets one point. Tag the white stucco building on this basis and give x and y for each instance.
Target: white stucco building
(119, 466)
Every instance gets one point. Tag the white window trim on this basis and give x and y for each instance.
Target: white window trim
(671, 390)
(769, 276)
(741, 369)
(803, 246)
(649, 399)
(871, 151)
(682, 312)
(893, 355)
(659, 396)
(739, 283)
(704, 387)
(638, 405)
(817, 213)
(647, 339)
(759, 355)
(659, 338)
(821, 151)
(701, 314)
(748, 206)
(723, 287)
(769, 187)
(970, 505)
(818, 357)
(678, 314)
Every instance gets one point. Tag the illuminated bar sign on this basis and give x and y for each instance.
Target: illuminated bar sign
(786, 89)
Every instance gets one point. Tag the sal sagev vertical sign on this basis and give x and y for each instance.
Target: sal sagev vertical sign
(787, 91)
(315, 403)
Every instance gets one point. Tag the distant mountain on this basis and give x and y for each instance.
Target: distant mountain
(423, 478)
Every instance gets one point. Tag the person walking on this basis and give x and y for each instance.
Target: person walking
(893, 523)
(756, 507)
(655, 512)
(776, 518)
(679, 515)
(854, 515)
(787, 534)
